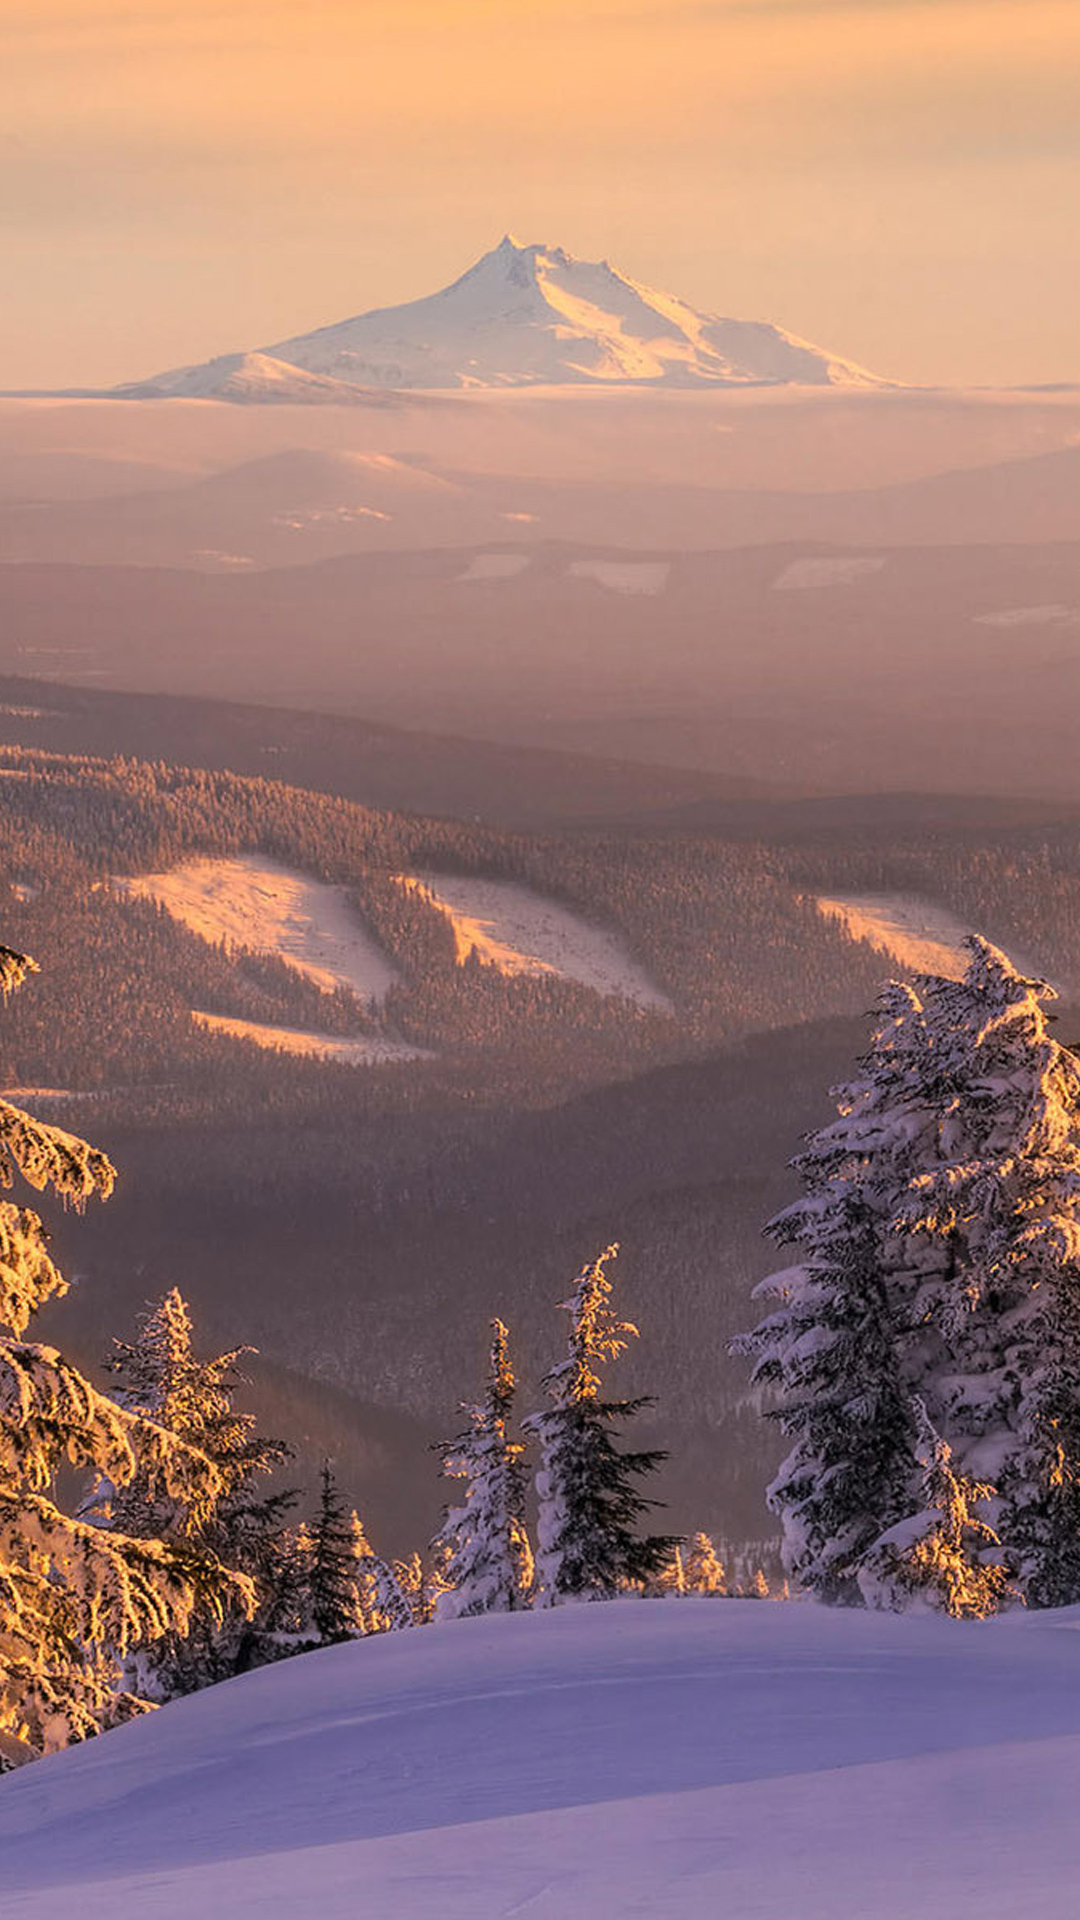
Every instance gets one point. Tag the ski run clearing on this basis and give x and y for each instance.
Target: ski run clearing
(368, 1050)
(249, 901)
(509, 927)
(711, 1759)
(923, 937)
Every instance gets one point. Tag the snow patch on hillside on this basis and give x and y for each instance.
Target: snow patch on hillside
(370, 1050)
(833, 570)
(250, 901)
(923, 936)
(1046, 616)
(698, 1758)
(624, 576)
(520, 932)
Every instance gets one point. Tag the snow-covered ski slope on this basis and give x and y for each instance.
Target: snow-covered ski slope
(249, 901)
(510, 927)
(705, 1758)
(923, 936)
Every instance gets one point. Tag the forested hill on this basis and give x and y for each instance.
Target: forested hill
(360, 1224)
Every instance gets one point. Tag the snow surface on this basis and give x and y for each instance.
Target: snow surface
(624, 576)
(833, 570)
(645, 1758)
(372, 1049)
(249, 901)
(243, 377)
(519, 931)
(524, 315)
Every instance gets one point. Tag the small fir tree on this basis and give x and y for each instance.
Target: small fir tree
(704, 1572)
(590, 1504)
(333, 1598)
(162, 1377)
(74, 1598)
(487, 1560)
(945, 1559)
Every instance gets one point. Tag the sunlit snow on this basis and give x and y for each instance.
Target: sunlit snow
(923, 936)
(369, 1050)
(510, 927)
(249, 901)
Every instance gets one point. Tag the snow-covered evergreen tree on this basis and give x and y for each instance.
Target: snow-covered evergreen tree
(488, 1565)
(162, 1377)
(1000, 1206)
(589, 1499)
(703, 1571)
(945, 1559)
(833, 1349)
(72, 1596)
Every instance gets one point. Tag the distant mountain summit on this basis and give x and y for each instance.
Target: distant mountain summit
(522, 316)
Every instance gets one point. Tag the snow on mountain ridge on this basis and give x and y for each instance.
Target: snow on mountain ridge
(522, 315)
(243, 376)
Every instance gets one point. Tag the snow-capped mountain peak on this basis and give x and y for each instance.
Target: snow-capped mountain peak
(530, 314)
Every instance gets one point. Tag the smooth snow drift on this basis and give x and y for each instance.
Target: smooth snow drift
(634, 1761)
(922, 936)
(371, 1050)
(522, 316)
(518, 931)
(249, 901)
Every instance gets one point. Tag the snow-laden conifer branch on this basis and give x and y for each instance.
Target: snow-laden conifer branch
(14, 968)
(49, 1157)
(73, 1597)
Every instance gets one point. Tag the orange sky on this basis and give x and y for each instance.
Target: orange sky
(897, 179)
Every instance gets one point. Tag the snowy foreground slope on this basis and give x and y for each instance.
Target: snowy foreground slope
(699, 1757)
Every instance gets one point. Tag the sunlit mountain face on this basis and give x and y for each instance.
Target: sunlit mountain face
(524, 315)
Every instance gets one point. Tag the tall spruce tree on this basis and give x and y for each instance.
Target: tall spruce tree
(161, 1376)
(589, 1499)
(1000, 1207)
(487, 1558)
(833, 1350)
(73, 1597)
